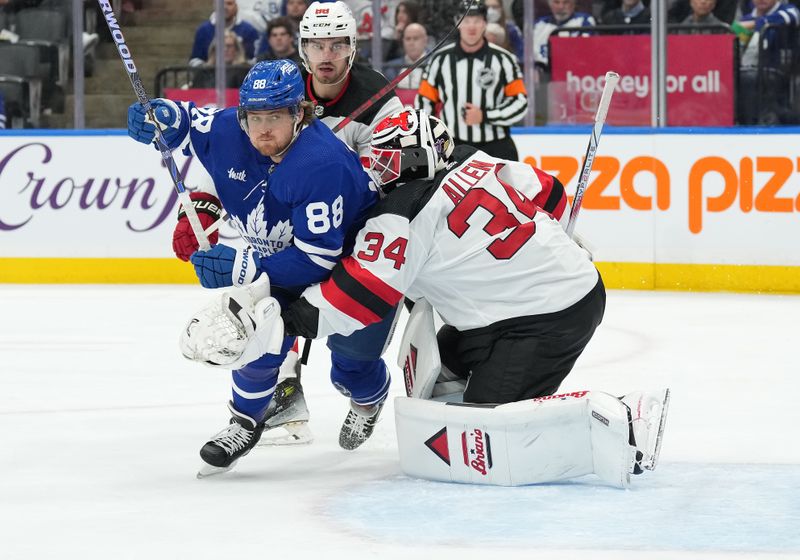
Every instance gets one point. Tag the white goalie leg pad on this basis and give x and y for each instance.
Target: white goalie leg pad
(235, 329)
(419, 352)
(527, 442)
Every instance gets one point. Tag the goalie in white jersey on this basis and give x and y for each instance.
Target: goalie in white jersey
(467, 232)
(479, 239)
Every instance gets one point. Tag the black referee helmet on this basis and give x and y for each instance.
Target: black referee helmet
(474, 8)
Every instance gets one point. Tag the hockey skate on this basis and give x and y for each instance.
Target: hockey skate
(222, 451)
(358, 425)
(288, 410)
(648, 415)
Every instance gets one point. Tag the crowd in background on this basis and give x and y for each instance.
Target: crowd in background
(268, 29)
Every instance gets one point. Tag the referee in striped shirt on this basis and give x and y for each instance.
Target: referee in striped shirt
(479, 86)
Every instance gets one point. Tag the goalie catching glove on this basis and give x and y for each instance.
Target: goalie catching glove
(235, 329)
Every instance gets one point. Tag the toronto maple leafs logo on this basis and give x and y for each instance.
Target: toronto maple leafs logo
(257, 232)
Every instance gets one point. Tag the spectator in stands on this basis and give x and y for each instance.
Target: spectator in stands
(631, 12)
(236, 67)
(259, 12)
(204, 35)
(541, 7)
(563, 17)
(513, 41)
(764, 100)
(362, 12)
(495, 34)
(723, 10)
(406, 12)
(776, 15)
(702, 13)
(280, 41)
(415, 42)
(294, 10)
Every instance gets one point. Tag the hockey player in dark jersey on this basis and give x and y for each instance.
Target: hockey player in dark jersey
(334, 82)
(297, 225)
(337, 87)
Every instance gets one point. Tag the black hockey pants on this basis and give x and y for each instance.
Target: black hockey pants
(524, 357)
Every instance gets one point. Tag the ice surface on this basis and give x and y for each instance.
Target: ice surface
(102, 420)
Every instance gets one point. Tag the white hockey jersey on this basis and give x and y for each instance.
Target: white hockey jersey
(475, 242)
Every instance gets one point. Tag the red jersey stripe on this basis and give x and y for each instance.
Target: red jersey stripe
(371, 282)
(347, 305)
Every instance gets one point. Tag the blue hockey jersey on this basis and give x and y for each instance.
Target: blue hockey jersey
(301, 214)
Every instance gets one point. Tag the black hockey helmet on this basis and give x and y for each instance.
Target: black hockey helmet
(408, 145)
(474, 8)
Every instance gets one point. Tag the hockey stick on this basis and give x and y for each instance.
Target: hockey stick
(141, 95)
(599, 120)
(393, 84)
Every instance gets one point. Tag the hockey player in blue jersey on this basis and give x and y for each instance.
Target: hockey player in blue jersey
(297, 195)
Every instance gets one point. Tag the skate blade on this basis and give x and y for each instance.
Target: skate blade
(298, 433)
(210, 470)
(651, 463)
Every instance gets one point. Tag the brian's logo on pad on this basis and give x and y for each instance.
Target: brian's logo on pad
(563, 396)
(477, 450)
(438, 444)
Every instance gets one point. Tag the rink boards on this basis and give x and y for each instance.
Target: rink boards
(702, 209)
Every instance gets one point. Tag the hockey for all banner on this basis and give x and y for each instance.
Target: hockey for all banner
(700, 79)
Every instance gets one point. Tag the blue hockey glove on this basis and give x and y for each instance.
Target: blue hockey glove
(167, 113)
(223, 266)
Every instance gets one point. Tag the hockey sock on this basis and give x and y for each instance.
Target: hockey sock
(252, 389)
(364, 381)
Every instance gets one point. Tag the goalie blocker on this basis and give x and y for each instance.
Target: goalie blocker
(527, 442)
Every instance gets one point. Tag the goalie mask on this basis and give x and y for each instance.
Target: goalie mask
(408, 145)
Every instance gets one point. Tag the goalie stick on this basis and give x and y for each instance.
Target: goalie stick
(599, 120)
(393, 84)
(141, 95)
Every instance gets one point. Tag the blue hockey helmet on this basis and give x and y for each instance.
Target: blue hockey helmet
(271, 84)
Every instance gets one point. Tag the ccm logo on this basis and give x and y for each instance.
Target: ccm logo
(321, 11)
